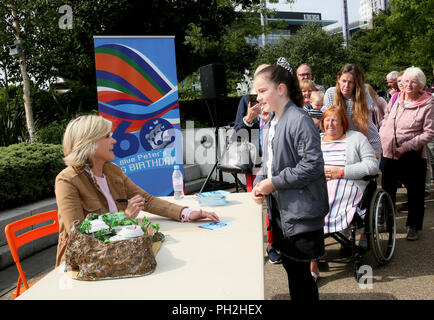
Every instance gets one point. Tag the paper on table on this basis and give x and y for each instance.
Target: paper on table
(215, 225)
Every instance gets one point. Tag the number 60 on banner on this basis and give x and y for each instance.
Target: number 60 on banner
(155, 134)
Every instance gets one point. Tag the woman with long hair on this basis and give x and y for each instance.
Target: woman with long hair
(351, 94)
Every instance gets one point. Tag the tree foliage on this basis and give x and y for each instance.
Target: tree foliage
(401, 37)
(52, 51)
(68, 53)
(311, 44)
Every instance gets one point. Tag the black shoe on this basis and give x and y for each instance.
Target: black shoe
(412, 234)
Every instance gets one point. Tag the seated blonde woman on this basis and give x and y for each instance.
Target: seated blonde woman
(91, 183)
(348, 157)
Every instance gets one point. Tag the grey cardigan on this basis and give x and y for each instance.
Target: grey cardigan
(297, 172)
(360, 158)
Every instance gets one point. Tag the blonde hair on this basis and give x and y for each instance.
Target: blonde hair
(80, 138)
(307, 84)
(360, 111)
(317, 96)
(372, 92)
(258, 69)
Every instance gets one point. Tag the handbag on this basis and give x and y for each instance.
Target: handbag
(239, 155)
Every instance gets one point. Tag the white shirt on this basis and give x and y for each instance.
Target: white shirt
(271, 133)
(102, 182)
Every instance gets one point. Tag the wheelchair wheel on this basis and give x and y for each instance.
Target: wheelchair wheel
(382, 227)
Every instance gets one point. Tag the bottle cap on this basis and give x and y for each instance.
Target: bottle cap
(176, 167)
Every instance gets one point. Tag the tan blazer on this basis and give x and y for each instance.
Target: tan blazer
(77, 195)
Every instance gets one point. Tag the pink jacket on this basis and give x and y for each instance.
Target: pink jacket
(380, 108)
(414, 125)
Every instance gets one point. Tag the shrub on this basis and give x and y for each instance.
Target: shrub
(53, 133)
(28, 172)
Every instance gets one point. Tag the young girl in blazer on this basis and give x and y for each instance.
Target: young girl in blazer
(291, 179)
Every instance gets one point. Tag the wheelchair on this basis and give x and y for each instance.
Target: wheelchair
(379, 225)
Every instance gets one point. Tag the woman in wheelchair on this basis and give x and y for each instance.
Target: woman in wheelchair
(348, 157)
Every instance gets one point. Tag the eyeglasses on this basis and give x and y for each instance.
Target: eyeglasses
(412, 82)
(304, 74)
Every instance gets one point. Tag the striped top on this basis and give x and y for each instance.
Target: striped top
(344, 195)
(313, 113)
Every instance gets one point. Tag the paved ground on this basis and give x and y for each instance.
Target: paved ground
(409, 275)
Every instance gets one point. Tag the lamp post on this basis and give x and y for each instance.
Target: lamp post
(263, 24)
(345, 31)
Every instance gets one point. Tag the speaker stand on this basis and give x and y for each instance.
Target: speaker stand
(216, 124)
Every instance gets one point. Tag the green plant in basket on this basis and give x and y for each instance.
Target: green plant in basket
(156, 234)
(85, 226)
(155, 226)
(93, 216)
(103, 235)
(113, 219)
(145, 224)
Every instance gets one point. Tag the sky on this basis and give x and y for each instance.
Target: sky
(329, 9)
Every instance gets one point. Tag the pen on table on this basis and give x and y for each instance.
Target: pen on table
(123, 200)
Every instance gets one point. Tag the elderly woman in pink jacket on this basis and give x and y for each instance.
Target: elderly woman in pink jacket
(407, 127)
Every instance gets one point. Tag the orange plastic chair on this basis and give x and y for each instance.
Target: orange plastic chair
(17, 241)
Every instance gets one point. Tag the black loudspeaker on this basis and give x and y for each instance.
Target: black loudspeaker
(213, 81)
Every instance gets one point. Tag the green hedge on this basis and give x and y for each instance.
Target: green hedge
(27, 172)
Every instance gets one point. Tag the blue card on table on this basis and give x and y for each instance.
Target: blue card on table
(215, 225)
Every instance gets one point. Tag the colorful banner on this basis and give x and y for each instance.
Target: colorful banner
(137, 91)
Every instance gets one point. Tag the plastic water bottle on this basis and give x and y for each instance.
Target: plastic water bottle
(178, 183)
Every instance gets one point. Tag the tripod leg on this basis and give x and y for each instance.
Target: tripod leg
(236, 181)
(209, 175)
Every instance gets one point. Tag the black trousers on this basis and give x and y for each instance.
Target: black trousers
(410, 169)
(303, 248)
(302, 287)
